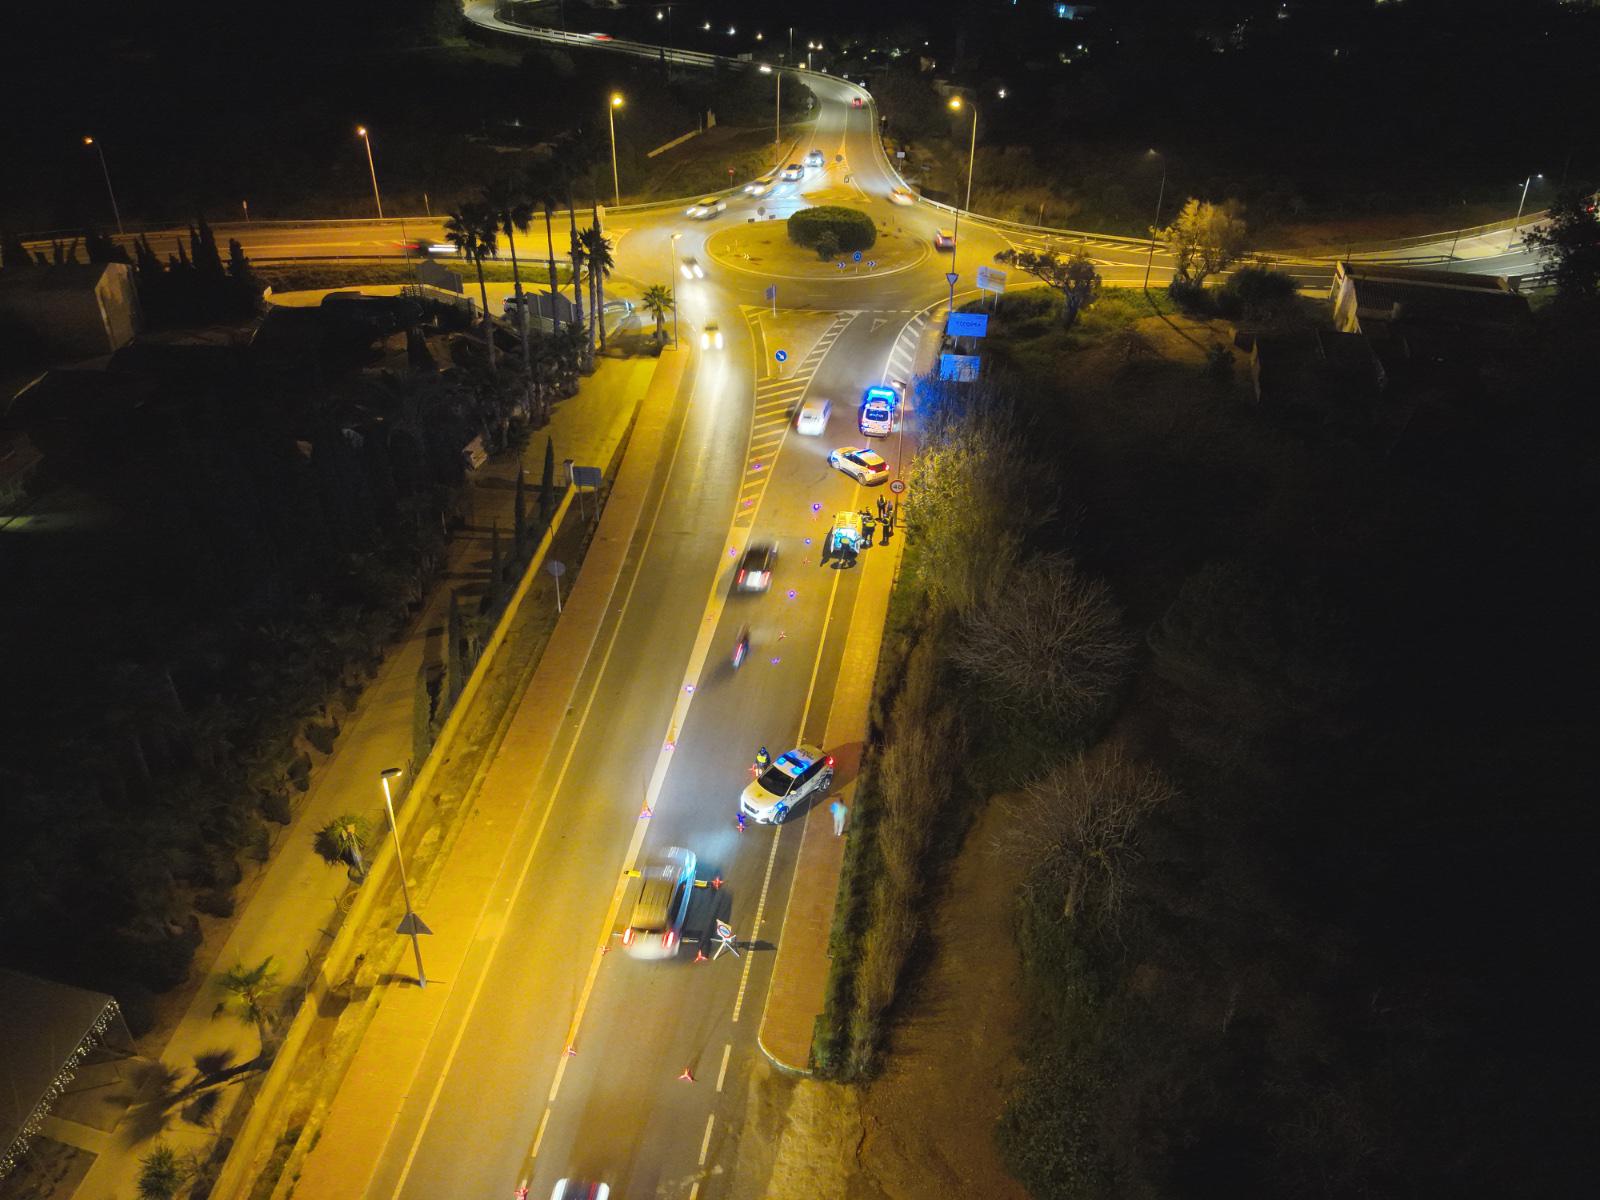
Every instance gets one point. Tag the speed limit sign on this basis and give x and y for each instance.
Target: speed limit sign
(897, 486)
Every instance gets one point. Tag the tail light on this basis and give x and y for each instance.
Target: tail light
(830, 760)
(627, 936)
(741, 575)
(668, 940)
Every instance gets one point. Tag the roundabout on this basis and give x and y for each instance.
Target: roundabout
(763, 248)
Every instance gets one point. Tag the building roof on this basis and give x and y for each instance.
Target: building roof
(1406, 295)
(46, 1029)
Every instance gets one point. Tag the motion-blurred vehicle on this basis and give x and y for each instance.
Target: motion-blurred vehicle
(690, 268)
(711, 336)
(706, 207)
(865, 466)
(601, 37)
(666, 884)
(802, 772)
(812, 419)
(877, 411)
(847, 537)
(855, 102)
(755, 568)
(901, 195)
(793, 172)
(944, 240)
(761, 187)
(576, 1189)
(815, 158)
(424, 248)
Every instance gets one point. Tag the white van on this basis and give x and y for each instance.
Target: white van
(812, 419)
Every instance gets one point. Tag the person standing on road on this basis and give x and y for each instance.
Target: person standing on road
(763, 759)
(839, 811)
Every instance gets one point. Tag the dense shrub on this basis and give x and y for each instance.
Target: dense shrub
(1255, 293)
(832, 228)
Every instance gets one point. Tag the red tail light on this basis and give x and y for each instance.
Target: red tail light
(627, 936)
(667, 939)
(741, 575)
(830, 760)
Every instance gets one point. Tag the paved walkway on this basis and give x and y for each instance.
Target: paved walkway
(292, 908)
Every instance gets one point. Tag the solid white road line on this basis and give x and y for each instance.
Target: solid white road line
(705, 1142)
(722, 1074)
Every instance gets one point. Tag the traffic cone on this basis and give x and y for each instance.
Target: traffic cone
(572, 1052)
(687, 1076)
(700, 955)
(645, 813)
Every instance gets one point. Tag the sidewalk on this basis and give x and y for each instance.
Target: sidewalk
(293, 907)
(493, 841)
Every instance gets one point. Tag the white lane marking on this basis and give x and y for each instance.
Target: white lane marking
(766, 880)
(705, 1142)
(722, 1074)
(527, 863)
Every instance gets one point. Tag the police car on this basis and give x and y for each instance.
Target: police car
(803, 772)
(877, 411)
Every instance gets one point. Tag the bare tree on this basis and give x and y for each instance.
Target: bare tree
(1077, 830)
(1074, 277)
(1204, 239)
(1050, 644)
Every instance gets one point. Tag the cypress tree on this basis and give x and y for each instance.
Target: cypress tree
(519, 517)
(547, 482)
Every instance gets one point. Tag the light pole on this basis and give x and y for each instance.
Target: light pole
(106, 171)
(674, 243)
(1525, 185)
(777, 119)
(611, 118)
(791, 45)
(366, 140)
(1161, 194)
(412, 923)
(956, 104)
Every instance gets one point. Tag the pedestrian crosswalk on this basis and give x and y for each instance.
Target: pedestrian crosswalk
(776, 399)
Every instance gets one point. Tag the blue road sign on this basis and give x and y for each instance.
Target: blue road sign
(967, 324)
(772, 291)
(856, 256)
(782, 356)
(960, 367)
(950, 277)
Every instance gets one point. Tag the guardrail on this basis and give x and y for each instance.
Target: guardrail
(1424, 239)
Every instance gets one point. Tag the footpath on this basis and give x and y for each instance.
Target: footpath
(294, 901)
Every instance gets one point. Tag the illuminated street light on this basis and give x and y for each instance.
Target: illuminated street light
(366, 138)
(412, 923)
(777, 119)
(106, 171)
(1002, 93)
(1161, 194)
(956, 105)
(673, 241)
(611, 119)
(1525, 185)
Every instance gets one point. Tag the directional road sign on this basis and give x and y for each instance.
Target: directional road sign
(967, 324)
(856, 256)
(950, 277)
(782, 356)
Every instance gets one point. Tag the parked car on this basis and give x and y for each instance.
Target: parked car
(793, 777)
(866, 467)
(707, 207)
(666, 885)
(876, 418)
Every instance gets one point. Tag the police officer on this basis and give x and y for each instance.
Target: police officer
(763, 759)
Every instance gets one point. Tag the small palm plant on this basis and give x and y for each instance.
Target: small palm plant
(341, 839)
(248, 993)
(658, 302)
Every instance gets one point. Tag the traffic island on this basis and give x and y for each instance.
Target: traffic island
(763, 248)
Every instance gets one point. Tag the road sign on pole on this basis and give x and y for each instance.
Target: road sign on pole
(557, 569)
(725, 941)
(856, 256)
(950, 277)
(782, 356)
(897, 486)
(991, 279)
(772, 297)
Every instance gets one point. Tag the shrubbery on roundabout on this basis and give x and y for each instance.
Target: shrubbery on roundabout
(831, 228)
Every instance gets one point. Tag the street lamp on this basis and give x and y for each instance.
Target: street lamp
(956, 104)
(366, 138)
(412, 923)
(1161, 194)
(611, 118)
(1525, 184)
(777, 120)
(106, 171)
(674, 243)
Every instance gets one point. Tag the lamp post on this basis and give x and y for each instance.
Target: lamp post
(791, 45)
(956, 104)
(366, 140)
(106, 171)
(777, 119)
(674, 243)
(1161, 194)
(412, 923)
(1525, 185)
(611, 118)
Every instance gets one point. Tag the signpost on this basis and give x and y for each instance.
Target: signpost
(962, 368)
(772, 295)
(724, 941)
(973, 325)
(897, 486)
(991, 279)
(950, 277)
(782, 356)
(557, 569)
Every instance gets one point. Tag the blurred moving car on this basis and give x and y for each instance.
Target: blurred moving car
(711, 336)
(901, 195)
(423, 248)
(855, 102)
(761, 187)
(793, 172)
(755, 568)
(866, 467)
(690, 268)
(666, 884)
(576, 1189)
(944, 240)
(792, 777)
(812, 419)
(706, 206)
(815, 158)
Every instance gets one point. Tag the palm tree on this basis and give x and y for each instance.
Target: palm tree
(597, 247)
(474, 231)
(658, 302)
(508, 202)
(248, 992)
(340, 840)
(569, 157)
(544, 193)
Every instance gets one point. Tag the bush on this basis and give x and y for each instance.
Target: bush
(138, 1005)
(1255, 293)
(850, 228)
(215, 902)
